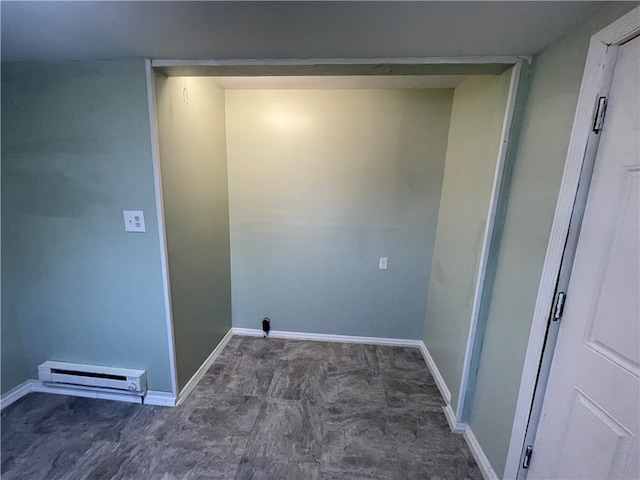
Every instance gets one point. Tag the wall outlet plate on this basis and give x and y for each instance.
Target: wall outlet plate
(134, 221)
(383, 263)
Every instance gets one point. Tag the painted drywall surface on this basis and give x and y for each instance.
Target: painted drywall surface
(554, 80)
(191, 126)
(474, 141)
(14, 367)
(322, 184)
(76, 152)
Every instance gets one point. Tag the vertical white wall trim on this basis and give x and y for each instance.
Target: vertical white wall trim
(157, 177)
(593, 82)
(191, 384)
(486, 245)
(481, 459)
(435, 373)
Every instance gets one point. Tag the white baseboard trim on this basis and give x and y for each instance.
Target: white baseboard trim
(16, 393)
(191, 384)
(163, 399)
(435, 373)
(481, 459)
(454, 424)
(322, 337)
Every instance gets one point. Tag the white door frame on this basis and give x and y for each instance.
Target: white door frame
(583, 144)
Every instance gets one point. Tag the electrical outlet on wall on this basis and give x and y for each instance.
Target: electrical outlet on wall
(134, 221)
(383, 263)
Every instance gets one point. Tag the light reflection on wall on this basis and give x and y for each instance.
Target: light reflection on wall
(287, 121)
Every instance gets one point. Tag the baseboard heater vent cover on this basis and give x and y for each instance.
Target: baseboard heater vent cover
(120, 380)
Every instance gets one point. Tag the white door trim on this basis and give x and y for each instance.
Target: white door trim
(164, 260)
(488, 235)
(596, 81)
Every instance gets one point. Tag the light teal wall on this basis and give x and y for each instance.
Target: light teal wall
(76, 152)
(539, 161)
(477, 117)
(14, 369)
(193, 158)
(322, 184)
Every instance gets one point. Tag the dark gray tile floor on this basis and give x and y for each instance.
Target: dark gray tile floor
(267, 409)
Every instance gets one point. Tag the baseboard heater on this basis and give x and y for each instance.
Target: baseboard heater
(105, 379)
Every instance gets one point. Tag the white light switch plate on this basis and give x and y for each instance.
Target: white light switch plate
(134, 221)
(383, 263)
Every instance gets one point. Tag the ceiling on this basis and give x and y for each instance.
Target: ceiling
(34, 31)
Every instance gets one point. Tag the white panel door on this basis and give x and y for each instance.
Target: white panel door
(590, 418)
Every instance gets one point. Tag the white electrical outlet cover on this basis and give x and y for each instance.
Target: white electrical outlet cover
(383, 263)
(134, 221)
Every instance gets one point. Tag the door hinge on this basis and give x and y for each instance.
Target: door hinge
(598, 119)
(561, 298)
(527, 456)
